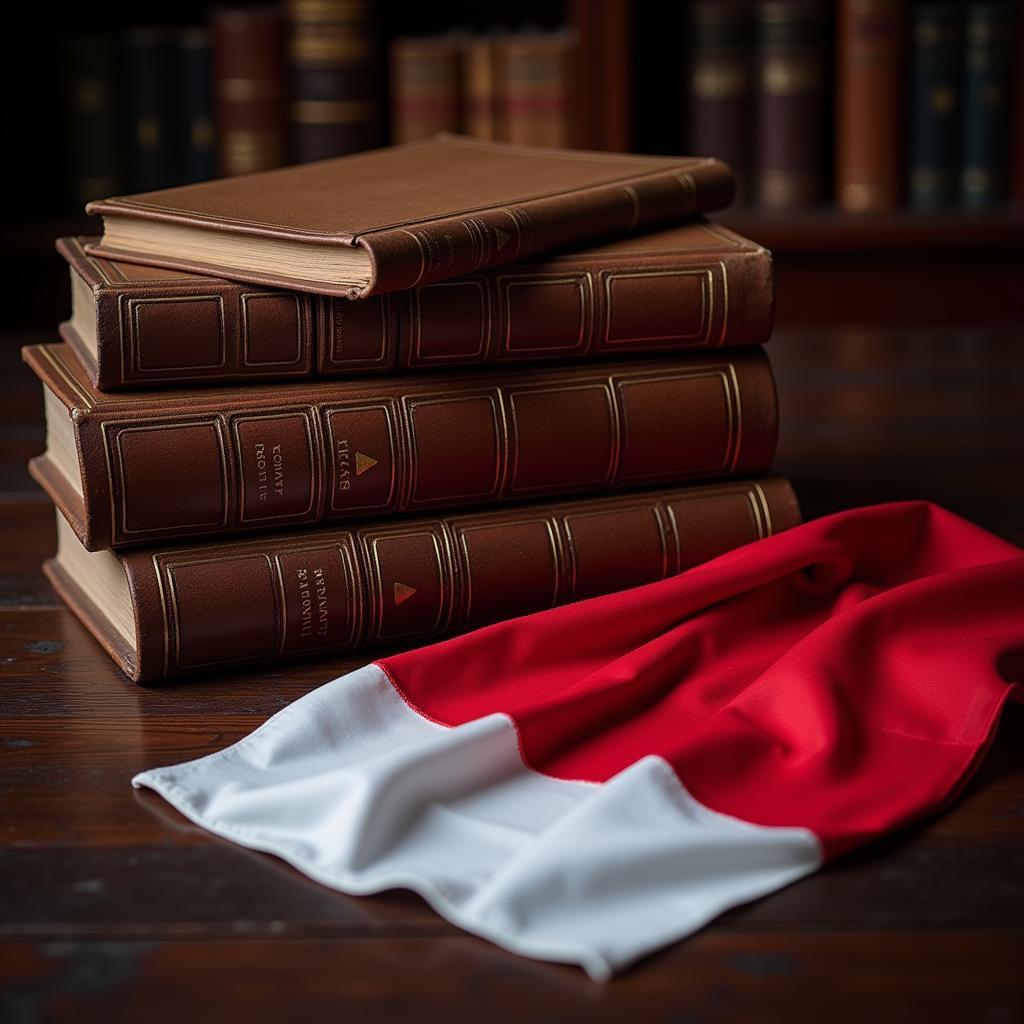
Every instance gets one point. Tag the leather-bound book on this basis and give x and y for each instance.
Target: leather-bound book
(482, 78)
(693, 286)
(170, 610)
(426, 86)
(151, 98)
(248, 74)
(538, 75)
(405, 216)
(94, 152)
(195, 111)
(789, 103)
(332, 52)
(990, 33)
(719, 84)
(869, 104)
(936, 56)
(162, 465)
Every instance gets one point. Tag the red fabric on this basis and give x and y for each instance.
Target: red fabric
(843, 676)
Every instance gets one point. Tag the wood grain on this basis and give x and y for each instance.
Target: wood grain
(112, 906)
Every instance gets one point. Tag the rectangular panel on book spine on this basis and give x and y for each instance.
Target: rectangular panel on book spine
(789, 98)
(869, 104)
(332, 54)
(249, 82)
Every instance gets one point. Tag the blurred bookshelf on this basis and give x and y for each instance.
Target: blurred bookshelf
(879, 144)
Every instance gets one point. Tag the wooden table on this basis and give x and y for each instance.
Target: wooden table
(113, 907)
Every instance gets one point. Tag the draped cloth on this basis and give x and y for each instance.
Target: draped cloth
(590, 783)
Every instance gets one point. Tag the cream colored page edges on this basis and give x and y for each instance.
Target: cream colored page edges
(300, 261)
(101, 577)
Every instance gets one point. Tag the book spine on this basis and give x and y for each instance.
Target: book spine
(94, 156)
(988, 72)
(425, 87)
(548, 311)
(869, 105)
(195, 81)
(379, 584)
(482, 102)
(149, 72)
(157, 334)
(934, 108)
(1017, 125)
(538, 72)
(719, 85)
(789, 103)
(437, 250)
(386, 446)
(248, 88)
(332, 56)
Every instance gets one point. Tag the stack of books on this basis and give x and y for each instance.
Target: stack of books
(376, 399)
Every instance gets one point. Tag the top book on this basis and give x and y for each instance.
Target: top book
(409, 215)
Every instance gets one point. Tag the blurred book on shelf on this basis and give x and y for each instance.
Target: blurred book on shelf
(248, 66)
(93, 158)
(789, 103)
(196, 139)
(988, 79)
(719, 85)
(332, 51)
(426, 86)
(933, 102)
(869, 124)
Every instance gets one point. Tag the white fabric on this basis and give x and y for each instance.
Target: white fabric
(354, 788)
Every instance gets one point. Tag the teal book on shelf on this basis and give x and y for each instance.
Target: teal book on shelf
(936, 55)
(990, 34)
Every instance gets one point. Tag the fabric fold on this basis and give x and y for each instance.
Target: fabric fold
(590, 783)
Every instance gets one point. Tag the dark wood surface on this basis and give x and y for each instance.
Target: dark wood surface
(112, 907)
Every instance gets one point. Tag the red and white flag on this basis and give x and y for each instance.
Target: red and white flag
(590, 783)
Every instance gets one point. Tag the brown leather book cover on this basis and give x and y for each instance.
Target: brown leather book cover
(176, 464)
(332, 54)
(790, 45)
(408, 215)
(248, 77)
(538, 76)
(426, 83)
(695, 285)
(719, 84)
(870, 93)
(379, 584)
